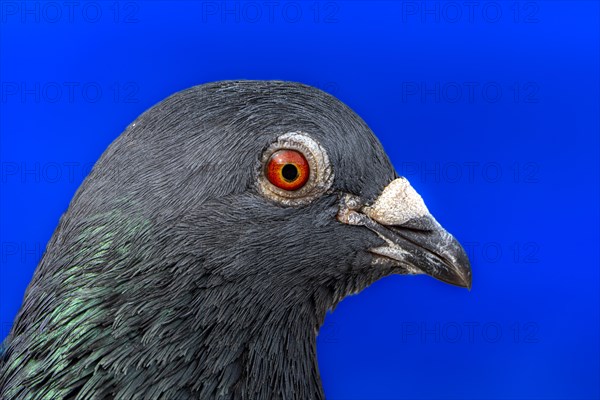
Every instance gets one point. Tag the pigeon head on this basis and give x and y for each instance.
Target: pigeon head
(199, 257)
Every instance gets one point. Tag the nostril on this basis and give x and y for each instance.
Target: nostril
(420, 224)
(407, 228)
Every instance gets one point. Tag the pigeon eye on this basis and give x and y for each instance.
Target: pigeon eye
(294, 170)
(288, 169)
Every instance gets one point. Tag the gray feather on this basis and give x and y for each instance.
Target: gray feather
(171, 277)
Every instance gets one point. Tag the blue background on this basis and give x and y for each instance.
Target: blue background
(490, 110)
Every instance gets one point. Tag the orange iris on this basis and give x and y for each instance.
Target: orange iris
(288, 169)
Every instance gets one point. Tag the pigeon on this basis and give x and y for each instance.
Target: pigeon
(201, 254)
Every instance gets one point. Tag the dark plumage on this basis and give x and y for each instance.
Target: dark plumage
(175, 275)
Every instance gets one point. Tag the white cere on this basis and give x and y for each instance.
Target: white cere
(397, 204)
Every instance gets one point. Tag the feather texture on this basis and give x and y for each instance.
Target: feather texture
(171, 277)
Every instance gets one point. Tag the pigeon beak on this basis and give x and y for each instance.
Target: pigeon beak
(414, 239)
(429, 248)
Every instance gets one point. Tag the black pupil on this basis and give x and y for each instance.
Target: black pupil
(289, 172)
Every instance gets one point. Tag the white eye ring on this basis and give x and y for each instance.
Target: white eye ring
(321, 173)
